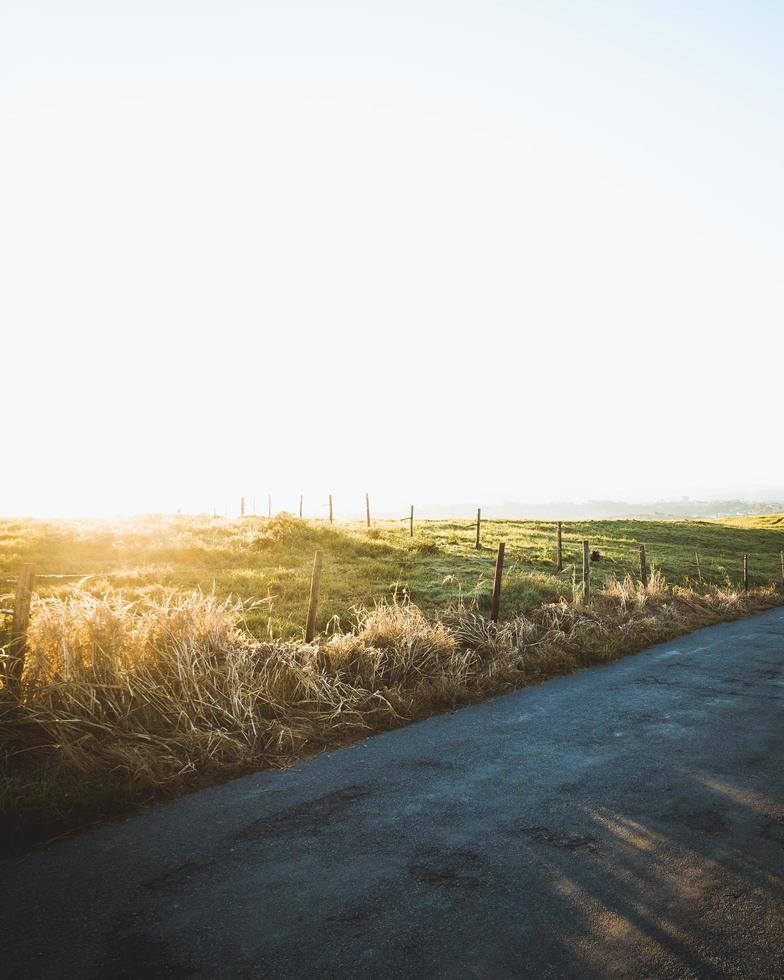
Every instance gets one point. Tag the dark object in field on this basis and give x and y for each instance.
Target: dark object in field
(595, 556)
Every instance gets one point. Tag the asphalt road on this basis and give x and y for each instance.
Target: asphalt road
(627, 821)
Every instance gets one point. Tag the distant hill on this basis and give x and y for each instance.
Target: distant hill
(597, 509)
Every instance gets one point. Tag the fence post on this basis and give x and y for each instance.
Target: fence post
(643, 567)
(558, 548)
(499, 568)
(745, 573)
(269, 505)
(699, 568)
(781, 555)
(367, 509)
(315, 581)
(242, 506)
(18, 647)
(478, 528)
(300, 505)
(586, 572)
(330, 508)
(411, 523)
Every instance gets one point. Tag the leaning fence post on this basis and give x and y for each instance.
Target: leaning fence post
(558, 548)
(411, 523)
(330, 508)
(315, 581)
(367, 509)
(643, 567)
(499, 568)
(586, 572)
(478, 528)
(300, 505)
(699, 568)
(18, 647)
(745, 573)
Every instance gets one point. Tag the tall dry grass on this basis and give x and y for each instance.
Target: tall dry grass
(165, 690)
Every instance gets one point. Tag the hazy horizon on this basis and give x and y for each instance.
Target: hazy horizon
(353, 508)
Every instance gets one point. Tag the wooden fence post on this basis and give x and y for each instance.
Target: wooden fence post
(411, 523)
(367, 509)
(18, 647)
(558, 548)
(643, 567)
(699, 567)
(269, 505)
(300, 505)
(586, 572)
(242, 506)
(499, 568)
(478, 528)
(782, 568)
(330, 508)
(315, 581)
(745, 573)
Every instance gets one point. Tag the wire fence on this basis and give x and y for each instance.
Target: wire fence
(749, 569)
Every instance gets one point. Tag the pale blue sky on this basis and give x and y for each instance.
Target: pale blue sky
(299, 247)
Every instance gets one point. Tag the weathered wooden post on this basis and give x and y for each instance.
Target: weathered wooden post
(330, 508)
(586, 572)
(745, 573)
(558, 548)
(367, 509)
(242, 506)
(781, 556)
(699, 567)
(315, 582)
(478, 528)
(300, 505)
(411, 523)
(269, 505)
(18, 647)
(499, 569)
(643, 567)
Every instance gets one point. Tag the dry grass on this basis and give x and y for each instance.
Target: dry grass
(163, 693)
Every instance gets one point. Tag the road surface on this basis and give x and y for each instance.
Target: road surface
(627, 821)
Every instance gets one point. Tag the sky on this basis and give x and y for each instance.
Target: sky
(432, 251)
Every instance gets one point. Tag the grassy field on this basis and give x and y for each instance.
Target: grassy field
(268, 562)
(168, 653)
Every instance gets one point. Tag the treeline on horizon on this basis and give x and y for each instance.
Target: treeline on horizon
(605, 509)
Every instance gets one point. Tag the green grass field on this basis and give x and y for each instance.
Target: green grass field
(268, 562)
(126, 702)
